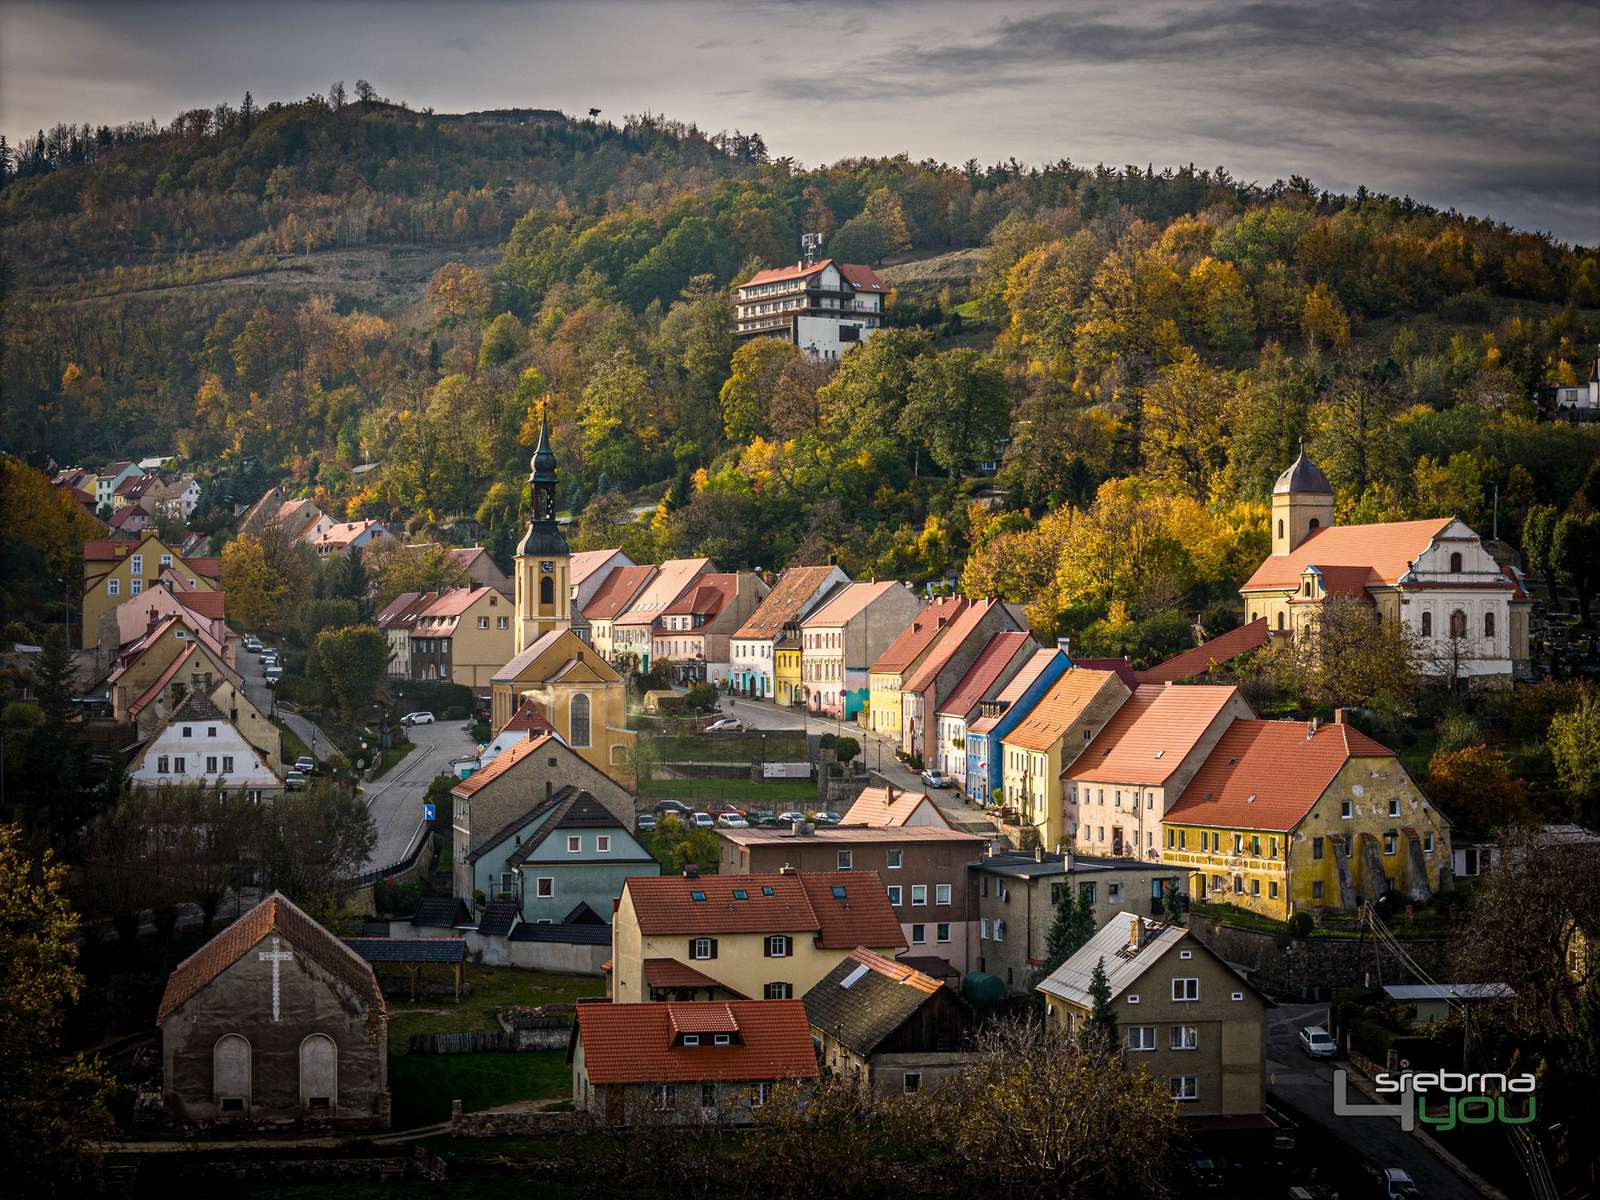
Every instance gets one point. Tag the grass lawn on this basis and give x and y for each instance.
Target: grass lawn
(778, 795)
(423, 1085)
(493, 988)
(293, 747)
(729, 747)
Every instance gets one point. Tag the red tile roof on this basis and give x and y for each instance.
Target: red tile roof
(863, 279)
(1386, 551)
(154, 690)
(1120, 667)
(211, 605)
(276, 914)
(498, 766)
(617, 592)
(928, 625)
(639, 1043)
(1268, 774)
(98, 549)
(847, 604)
(210, 568)
(798, 903)
(1017, 688)
(887, 807)
(586, 562)
(403, 610)
(1202, 658)
(963, 627)
(528, 719)
(709, 596)
(1152, 733)
(1060, 707)
(1002, 651)
(782, 604)
(670, 973)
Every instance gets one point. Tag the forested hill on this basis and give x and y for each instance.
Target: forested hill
(1139, 347)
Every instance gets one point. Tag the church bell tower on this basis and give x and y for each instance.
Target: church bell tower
(544, 599)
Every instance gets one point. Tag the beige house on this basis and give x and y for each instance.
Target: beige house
(609, 601)
(196, 671)
(464, 636)
(633, 631)
(1183, 1014)
(844, 637)
(760, 937)
(119, 569)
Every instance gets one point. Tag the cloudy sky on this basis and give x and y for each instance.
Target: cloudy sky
(1489, 106)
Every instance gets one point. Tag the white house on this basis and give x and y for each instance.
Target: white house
(823, 307)
(198, 744)
(793, 598)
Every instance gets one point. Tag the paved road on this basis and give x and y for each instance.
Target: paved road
(255, 687)
(395, 800)
(1306, 1086)
(877, 751)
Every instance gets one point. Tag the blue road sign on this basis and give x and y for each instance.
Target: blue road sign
(427, 812)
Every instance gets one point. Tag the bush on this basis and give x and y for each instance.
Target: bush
(1458, 731)
(701, 696)
(454, 713)
(432, 695)
(1301, 925)
(846, 748)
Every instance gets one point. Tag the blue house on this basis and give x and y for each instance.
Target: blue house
(1000, 716)
(566, 852)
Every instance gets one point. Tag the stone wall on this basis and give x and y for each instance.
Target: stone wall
(526, 1123)
(1311, 968)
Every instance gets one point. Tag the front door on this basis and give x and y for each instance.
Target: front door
(1116, 839)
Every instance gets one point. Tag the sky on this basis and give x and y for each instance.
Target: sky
(1491, 107)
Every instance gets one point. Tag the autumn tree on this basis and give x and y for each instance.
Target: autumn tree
(503, 340)
(312, 841)
(1323, 321)
(350, 663)
(266, 576)
(1356, 440)
(399, 568)
(1575, 749)
(1475, 789)
(746, 396)
(1347, 656)
(958, 406)
(458, 292)
(59, 1107)
(1186, 409)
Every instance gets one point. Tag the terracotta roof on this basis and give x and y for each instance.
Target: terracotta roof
(709, 596)
(1152, 733)
(670, 973)
(915, 638)
(887, 807)
(670, 581)
(1001, 651)
(211, 605)
(847, 603)
(959, 840)
(1017, 688)
(465, 556)
(127, 515)
(784, 602)
(1059, 707)
(866, 998)
(862, 278)
(455, 601)
(211, 568)
(1268, 774)
(617, 592)
(402, 611)
(1202, 658)
(498, 766)
(528, 719)
(963, 627)
(639, 1043)
(1386, 550)
(779, 274)
(586, 562)
(276, 914)
(798, 903)
(101, 549)
(346, 532)
(154, 690)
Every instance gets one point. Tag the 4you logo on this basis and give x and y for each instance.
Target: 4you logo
(1467, 1099)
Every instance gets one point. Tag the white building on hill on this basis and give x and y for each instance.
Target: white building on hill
(823, 307)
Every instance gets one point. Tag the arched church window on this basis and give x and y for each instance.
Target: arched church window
(1315, 524)
(1427, 624)
(1488, 625)
(1455, 563)
(1458, 624)
(319, 1073)
(547, 590)
(1280, 526)
(230, 1071)
(580, 720)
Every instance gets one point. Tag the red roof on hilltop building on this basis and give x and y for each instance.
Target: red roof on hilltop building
(1383, 553)
(642, 1043)
(857, 276)
(617, 592)
(1202, 658)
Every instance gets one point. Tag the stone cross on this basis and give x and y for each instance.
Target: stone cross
(275, 956)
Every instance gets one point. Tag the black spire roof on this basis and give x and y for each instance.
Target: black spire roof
(544, 538)
(1302, 478)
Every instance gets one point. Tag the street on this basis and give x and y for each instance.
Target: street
(395, 800)
(876, 751)
(1305, 1085)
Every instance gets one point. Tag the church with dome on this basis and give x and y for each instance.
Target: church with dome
(1467, 612)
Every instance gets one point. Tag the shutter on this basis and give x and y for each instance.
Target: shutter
(788, 946)
(713, 947)
(691, 948)
(766, 947)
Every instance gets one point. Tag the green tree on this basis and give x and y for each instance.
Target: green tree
(1575, 749)
(503, 340)
(59, 1107)
(1102, 1016)
(1575, 551)
(351, 663)
(957, 406)
(746, 396)
(1070, 928)
(399, 569)
(53, 785)
(311, 842)
(1538, 536)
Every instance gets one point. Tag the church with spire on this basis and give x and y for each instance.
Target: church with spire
(1467, 614)
(566, 680)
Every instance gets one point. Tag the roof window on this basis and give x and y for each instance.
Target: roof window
(697, 896)
(838, 891)
(740, 894)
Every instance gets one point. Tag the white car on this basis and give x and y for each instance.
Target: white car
(702, 820)
(726, 725)
(294, 781)
(417, 718)
(732, 821)
(788, 818)
(1318, 1042)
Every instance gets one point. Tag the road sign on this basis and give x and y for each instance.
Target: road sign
(427, 812)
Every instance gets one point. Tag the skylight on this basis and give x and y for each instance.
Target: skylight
(838, 891)
(697, 897)
(766, 891)
(854, 977)
(740, 894)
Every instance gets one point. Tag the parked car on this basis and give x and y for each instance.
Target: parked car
(417, 718)
(731, 821)
(702, 820)
(761, 817)
(272, 675)
(1205, 1174)
(788, 818)
(252, 643)
(644, 823)
(1318, 1042)
(826, 818)
(305, 764)
(716, 810)
(935, 778)
(1398, 1185)
(673, 808)
(294, 781)
(726, 725)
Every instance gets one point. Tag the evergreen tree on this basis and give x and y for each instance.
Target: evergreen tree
(1102, 1016)
(1070, 928)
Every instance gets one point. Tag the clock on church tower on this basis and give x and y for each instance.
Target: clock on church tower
(544, 600)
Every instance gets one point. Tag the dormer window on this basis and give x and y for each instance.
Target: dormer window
(722, 1039)
(691, 1039)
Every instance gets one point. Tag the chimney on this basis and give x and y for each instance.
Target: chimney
(1038, 852)
(1064, 644)
(1311, 727)
(787, 869)
(692, 871)
(1066, 860)
(1339, 715)
(1135, 932)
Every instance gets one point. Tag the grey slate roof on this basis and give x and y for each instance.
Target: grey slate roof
(517, 822)
(579, 810)
(581, 934)
(440, 912)
(1124, 966)
(866, 1012)
(1303, 477)
(196, 706)
(409, 950)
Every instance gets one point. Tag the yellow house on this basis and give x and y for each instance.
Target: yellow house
(196, 670)
(464, 636)
(756, 937)
(786, 655)
(115, 570)
(1287, 815)
(1048, 739)
(578, 692)
(904, 655)
(144, 662)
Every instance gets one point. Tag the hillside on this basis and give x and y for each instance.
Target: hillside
(282, 293)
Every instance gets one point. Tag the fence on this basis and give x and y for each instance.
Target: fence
(462, 1043)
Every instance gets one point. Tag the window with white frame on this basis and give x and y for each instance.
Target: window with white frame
(893, 859)
(1185, 1087)
(941, 893)
(113, 587)
(1184, 989)
(574, 843)
(1141, 1037)
(545, 886)
(894, 895)
(602, 843)
(983, 922)
(919, 895)
(1185, 1037)
(700, 948)
(778, 946)
(844, 858)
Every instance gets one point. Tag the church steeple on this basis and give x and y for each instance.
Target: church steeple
(543, 600)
